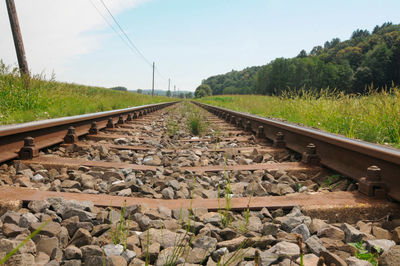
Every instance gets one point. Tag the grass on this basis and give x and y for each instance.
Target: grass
(363, 254)
(372, 117)
(121, 232)
(196, 122)
(23, 243)
(49, 99)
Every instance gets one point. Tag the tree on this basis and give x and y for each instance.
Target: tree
(168, 93)
(119, 88)
(202, 91)
(189, 95)
(302, 54)
(140, 91)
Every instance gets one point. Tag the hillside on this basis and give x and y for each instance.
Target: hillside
(367, 59)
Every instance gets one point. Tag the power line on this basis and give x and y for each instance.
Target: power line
(127, 37)
(111, 26)
(126, 40)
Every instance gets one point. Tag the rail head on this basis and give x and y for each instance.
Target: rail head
(344, 155)
(50, 132)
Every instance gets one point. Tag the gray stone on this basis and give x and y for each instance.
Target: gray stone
(267, 258)
(81, 238)
(353, 261)
(84, 216)
(38, 205)
(383, 244)
(180, 214)
(285, 250)
(91, 250)
(168, 193)
(52, 263)
(128, 255)
(164, 212)
(390, 257)
(352, 235)
(72, 252)
(315, 245)
(270, 229)
(290, 222)
(113, 250)
(12, 230)
(27, 219)
(332, 232)
(219, 253)
(174, 184)
(73, 263)
(205, 242)
(51, 229)
(47, 245)
(11, 217)
(331, 258)
(125, 192)
(302, 229)
(24, 259)
(254, 224)
(6, 245)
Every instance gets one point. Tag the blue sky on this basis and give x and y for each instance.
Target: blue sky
(189, 40)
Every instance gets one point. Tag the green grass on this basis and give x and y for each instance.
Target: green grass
(373, 117)
(49, 99)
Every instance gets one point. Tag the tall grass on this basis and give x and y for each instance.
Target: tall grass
(48, 98)
(373, 117)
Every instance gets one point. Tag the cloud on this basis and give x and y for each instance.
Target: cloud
(56, 31)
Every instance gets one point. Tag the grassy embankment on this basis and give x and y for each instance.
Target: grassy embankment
(373, 117)
(48, 98)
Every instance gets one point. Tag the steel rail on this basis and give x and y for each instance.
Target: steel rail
(346, 156)
(50, 132)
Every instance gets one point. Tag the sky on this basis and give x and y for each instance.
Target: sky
(189, 40)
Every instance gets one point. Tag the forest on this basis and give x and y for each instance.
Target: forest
(366, 60)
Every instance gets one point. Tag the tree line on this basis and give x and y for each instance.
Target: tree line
(352, 66)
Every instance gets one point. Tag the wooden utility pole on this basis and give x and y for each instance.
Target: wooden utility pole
(19, 45)
(175, 90)
(169, 83)
(152, 87)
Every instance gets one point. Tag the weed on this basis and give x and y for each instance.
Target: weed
(172, 128)
(23, 243)
(121, 233)
(243, 227)
(372, 117)
(363, 254)
(49, 99)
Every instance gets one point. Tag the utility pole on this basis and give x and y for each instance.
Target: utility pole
(19, 45)
(169, 83)
(175, 90)
(152, 88)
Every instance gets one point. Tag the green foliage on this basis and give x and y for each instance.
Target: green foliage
(49, 99)
(202, 91)
(372, 117)
(350, 66)
(363, 254)
(23, 243)
(121, 233)
(234, 82)
(119, 88)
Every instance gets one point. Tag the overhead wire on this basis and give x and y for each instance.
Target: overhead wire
(126, 40)
(126, 35)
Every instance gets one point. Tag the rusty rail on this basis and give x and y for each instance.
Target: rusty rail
(352, 158)
(50, 132)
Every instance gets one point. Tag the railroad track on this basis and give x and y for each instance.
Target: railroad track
(146, 156)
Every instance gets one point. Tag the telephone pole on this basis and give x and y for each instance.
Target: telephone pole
(19, 45)
(175, 90)
(152, 88)
(169, 83)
